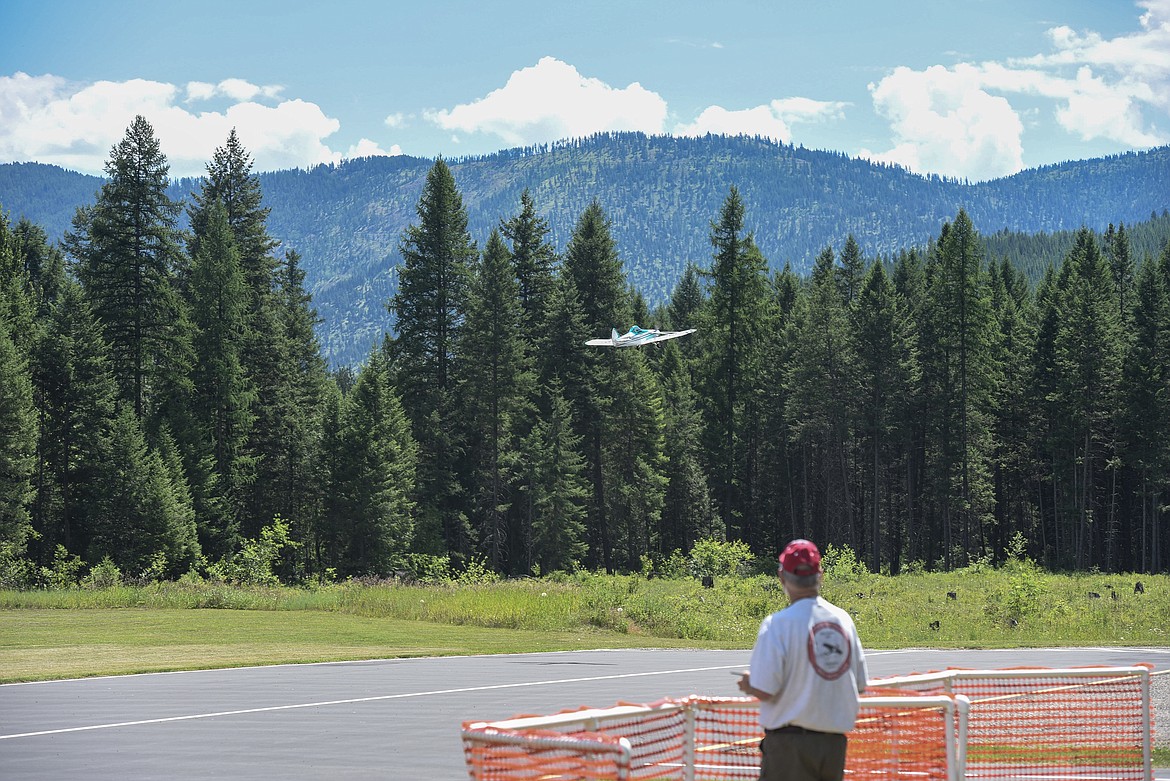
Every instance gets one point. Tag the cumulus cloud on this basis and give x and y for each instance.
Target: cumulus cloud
(945, 122)
(758, 121)
(552, 100)
(367, 148)
(772, 121)
(962, 120)
(47, 119)
(237, 90)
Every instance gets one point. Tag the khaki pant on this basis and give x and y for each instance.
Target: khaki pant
(802, 756)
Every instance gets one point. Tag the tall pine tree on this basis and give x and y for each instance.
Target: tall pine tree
(497, 389)
(595, 273)
(821, 389)
(554, 489)
(223, 394)
(367, 521)
(737, 317)
(75, 395)
(960, 376)
(887, 367)
(17, 444)
(127, 249)
(1088, 353)
(429, 309)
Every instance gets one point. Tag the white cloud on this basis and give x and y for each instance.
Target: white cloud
(367, 148)
(46, 119)
(199, 90)
(758, 121)
(960, 121)
(944, 122)
(808, 110)
(552, 100)
(772, 121)
(236, 90)
(396, 120)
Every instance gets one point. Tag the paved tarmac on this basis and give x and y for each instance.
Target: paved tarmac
(384, 719)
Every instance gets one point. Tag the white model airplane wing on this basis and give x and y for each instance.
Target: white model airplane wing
(662, 336)
(637, 337)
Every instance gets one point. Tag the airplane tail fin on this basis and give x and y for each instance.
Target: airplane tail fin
(614, 335)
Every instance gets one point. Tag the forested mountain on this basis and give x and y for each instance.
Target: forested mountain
(166, 409)
(660, 193)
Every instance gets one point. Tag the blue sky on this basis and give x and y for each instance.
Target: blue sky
(973, 89)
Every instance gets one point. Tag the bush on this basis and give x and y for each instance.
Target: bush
(426, 568)
(842, 564)
(255, 563)
(16, 572)
(673, 566)
(718, 558)
(64, 573)
(1024, 596)
(477, 572)
(156, 571)
(104, 574)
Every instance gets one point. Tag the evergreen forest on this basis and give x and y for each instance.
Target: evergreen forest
(166, 408)
(659, 194)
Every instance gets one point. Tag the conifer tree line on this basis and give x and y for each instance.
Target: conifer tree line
(164, 402)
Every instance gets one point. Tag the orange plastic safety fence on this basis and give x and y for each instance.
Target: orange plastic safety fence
(656, 742)
(888, 743)
(503, 755)
(727, 738)
(1069, 727)
(1060, 724)
(1051, 723)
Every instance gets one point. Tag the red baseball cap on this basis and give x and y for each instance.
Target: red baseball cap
(801, 558)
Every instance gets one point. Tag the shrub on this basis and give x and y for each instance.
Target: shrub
(717, 558)
(426, 568)
(1017, 549)
(255, 563)
(673, 566)
(16, 572)
(102, 575)
(476, 572)
(156, 571)
(842, 564)
(1024, 594)
(65, 572)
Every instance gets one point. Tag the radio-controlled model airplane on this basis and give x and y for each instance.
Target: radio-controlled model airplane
(636, 337)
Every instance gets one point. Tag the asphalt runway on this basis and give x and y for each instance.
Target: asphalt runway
(384, 719)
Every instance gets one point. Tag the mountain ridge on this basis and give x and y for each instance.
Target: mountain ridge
(660, 194)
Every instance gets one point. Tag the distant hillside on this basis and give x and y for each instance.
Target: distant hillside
(661, 195)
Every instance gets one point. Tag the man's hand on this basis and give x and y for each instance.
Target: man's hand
(745, 685)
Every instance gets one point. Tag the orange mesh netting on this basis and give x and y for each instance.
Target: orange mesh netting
(1078, 723)
(502, 755)
(890, 742)
(696, 737)
(1062, 724)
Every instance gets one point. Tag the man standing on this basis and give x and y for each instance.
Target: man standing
(807, 669)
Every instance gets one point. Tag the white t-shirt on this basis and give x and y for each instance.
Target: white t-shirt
(809, 652)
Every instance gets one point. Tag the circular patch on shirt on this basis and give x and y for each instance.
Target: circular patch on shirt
(829, 650)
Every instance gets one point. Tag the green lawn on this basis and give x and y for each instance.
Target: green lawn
(167, 626)
(45, 644)
(176, 626)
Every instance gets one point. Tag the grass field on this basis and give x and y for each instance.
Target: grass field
(172, 626)
(168, 626)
